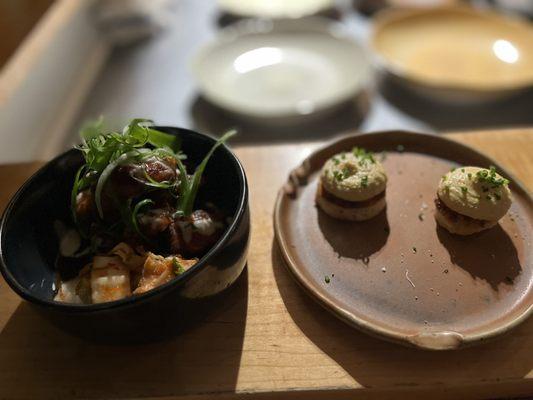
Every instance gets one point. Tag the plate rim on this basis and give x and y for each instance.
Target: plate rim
(442, 340)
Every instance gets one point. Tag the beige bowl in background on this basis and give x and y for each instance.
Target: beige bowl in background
(455, 53)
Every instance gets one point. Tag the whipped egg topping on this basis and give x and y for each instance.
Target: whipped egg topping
(478, 193)
(354, 176)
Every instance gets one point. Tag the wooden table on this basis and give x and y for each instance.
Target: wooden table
(270, 339)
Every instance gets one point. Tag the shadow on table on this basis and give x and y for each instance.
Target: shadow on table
(209, 118)
(512, 111)
(46, 362)
(375, 363)
(224, 19)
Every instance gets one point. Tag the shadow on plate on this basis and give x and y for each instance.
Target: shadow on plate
(47, 360)
(375, 363)
(489, 255)
(511, 111)
(212, 119)
(224, 19)
(344, 236)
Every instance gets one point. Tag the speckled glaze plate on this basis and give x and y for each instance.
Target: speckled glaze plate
(399, 276)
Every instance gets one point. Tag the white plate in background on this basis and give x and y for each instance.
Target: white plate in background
(274, 8)
(281, 69)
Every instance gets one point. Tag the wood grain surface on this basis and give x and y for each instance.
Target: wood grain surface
(268, 339)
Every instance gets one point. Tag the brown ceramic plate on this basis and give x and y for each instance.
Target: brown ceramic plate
(399, 276)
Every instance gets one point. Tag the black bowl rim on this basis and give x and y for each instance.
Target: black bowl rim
(132, 300)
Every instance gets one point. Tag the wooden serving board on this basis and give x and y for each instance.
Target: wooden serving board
(270, 340)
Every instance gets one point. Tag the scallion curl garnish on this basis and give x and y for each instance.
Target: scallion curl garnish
(134, 220)
(190, 185)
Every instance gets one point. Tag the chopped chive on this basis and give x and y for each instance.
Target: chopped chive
(178, 268)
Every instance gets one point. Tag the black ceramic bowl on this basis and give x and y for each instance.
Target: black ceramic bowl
(29, 246)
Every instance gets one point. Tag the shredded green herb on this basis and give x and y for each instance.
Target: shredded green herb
(137, 144)
(192, 183)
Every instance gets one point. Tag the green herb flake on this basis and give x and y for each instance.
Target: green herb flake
(463, 170)
(469, 176)
(364, 181)
(178, 268)
(489, 177)
(327, 279)
(337, 176)
(346, 172)
(363, 156)
(498, 197)
(464, 189)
